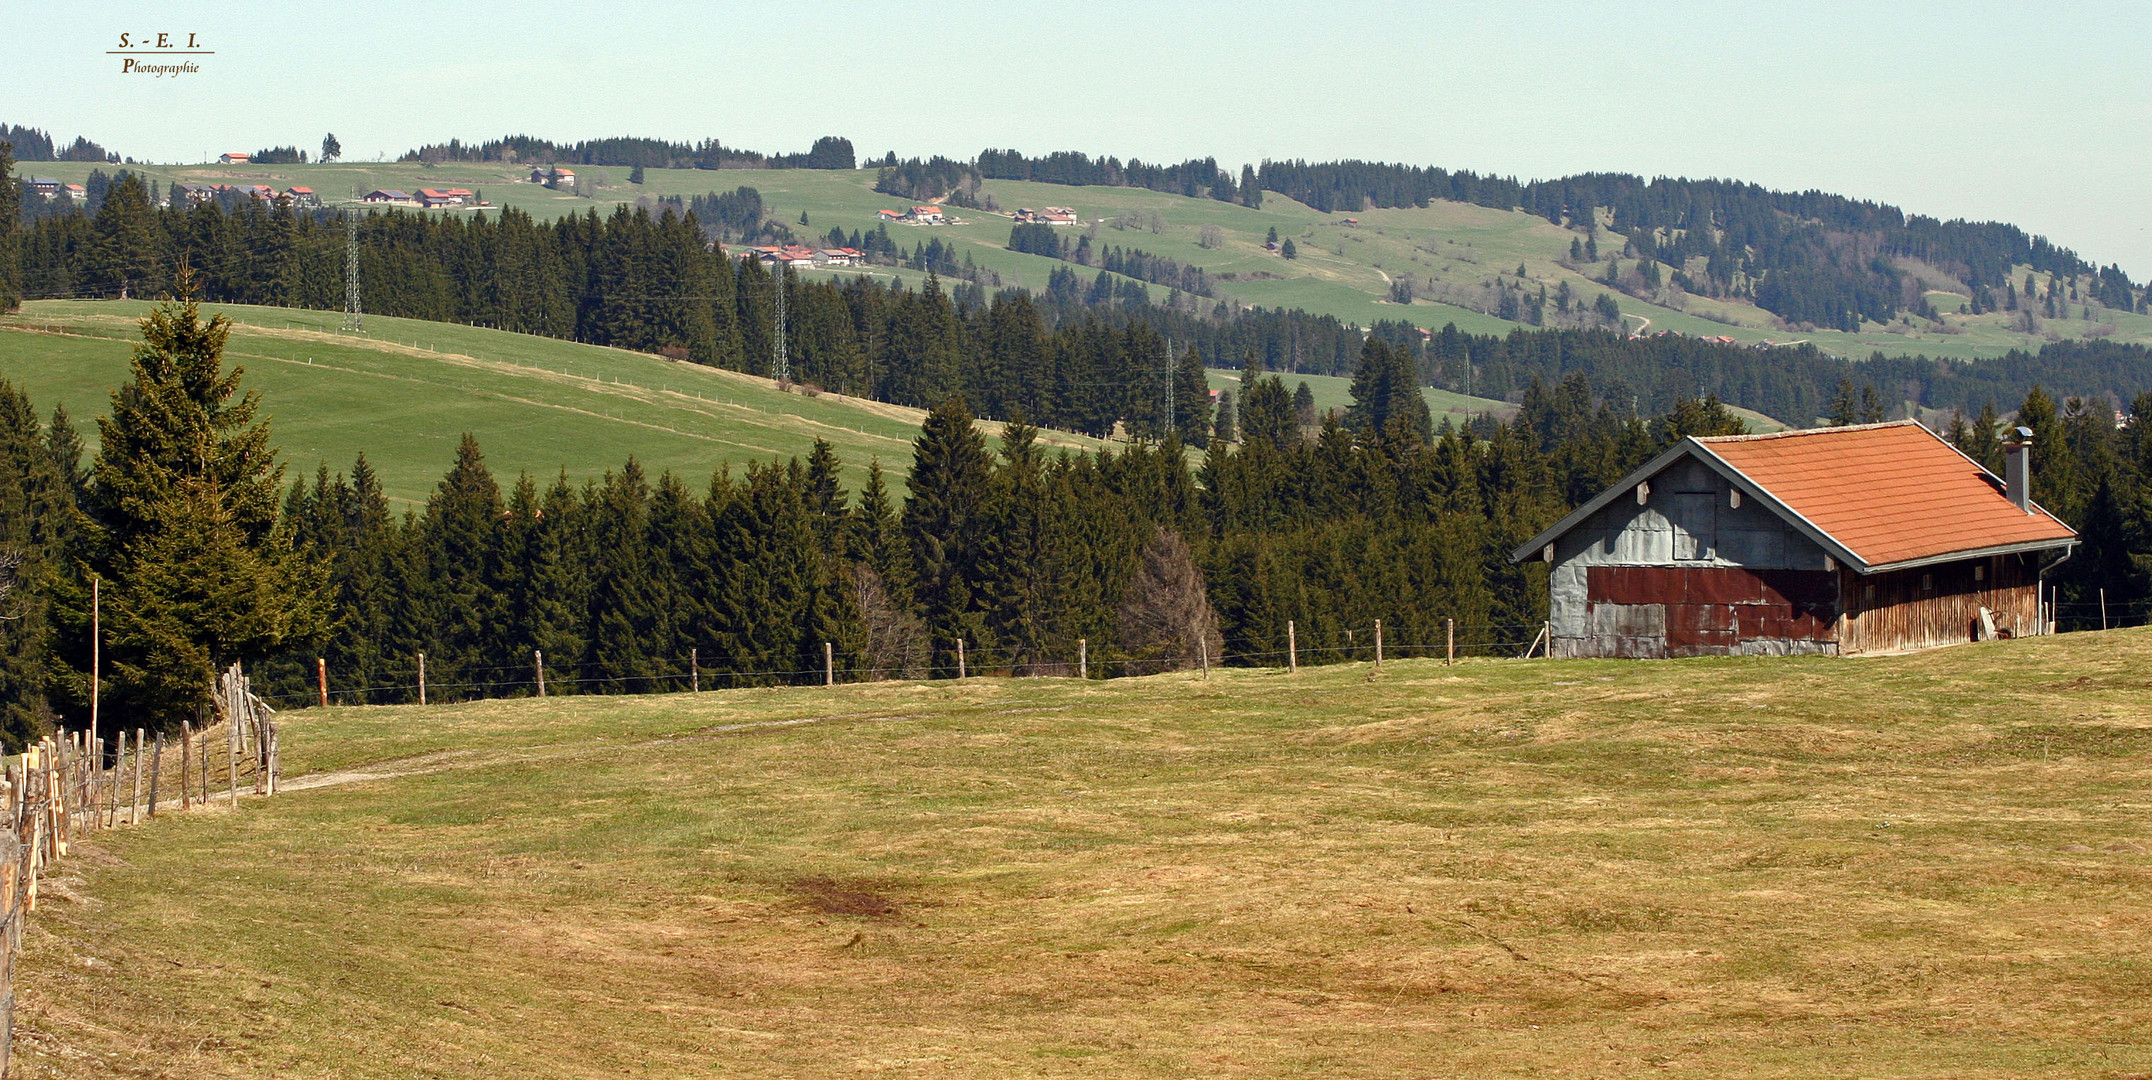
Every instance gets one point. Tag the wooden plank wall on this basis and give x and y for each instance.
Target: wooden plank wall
(1902, 610)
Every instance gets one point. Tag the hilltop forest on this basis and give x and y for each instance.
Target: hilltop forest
(1081, 356)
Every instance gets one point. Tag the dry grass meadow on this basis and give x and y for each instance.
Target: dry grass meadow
(1932, 865)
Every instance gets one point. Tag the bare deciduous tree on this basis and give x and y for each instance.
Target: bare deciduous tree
(10, 562)
(1166, 618)
(1210, 238)
(896, 638)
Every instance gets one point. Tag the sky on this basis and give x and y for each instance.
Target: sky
(2031, 114)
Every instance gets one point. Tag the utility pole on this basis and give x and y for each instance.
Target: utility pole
(781, 362)
(353, 320)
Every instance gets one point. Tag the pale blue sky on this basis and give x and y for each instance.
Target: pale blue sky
(2033, 114)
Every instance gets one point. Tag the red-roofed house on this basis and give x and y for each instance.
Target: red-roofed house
(232, 159)
(302, 196)
(889, 215)
(75, 192)
(925, 215)
(1866, 539)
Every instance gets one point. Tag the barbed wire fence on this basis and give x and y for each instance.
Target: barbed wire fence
(406, 683)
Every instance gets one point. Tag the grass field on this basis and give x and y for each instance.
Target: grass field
(1344, 269)
(1930, 865)
(406, 391)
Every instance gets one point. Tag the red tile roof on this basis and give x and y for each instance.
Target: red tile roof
(1889, 493)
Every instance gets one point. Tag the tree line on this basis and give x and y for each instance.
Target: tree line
(1017, 560)
(1084, 356)
(828, 152)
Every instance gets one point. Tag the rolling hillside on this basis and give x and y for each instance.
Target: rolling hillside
(1914, 866)
(1346, 263)
(405, 391)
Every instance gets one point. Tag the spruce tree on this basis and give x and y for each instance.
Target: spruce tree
(183, 528)
(951, 473)
(124, 242)
(10, 231)
(35, 507)
(461, 610)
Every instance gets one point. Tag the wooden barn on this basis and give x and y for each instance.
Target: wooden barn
(1868, 539)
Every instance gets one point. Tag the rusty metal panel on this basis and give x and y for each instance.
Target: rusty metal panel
(1723, 585)
(1699, 617)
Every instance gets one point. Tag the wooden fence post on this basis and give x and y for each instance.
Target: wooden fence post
(1292, 648)
(538, 665)
(422, 678)
(1449, 647)
(321, 671)
(1378, 644)
(134, 797)
(829, 664)
(960, 658)
(119, 773)
(694, 672)
(1083, 658)
(2103, 607)
(186, 762)
(1203, 650)
(156, 769)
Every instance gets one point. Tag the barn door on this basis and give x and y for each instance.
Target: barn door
(1695, 521)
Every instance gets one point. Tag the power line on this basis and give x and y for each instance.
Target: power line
(353, 320)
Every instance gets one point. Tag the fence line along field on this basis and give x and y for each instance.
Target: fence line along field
(405, 391)
(1927, 865)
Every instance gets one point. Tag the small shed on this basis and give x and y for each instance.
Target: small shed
(1867, 539)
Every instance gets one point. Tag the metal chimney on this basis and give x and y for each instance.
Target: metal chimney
(2017, 466)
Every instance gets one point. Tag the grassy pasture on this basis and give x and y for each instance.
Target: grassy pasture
(406, 391)
(1343, 270)
(1929, 865)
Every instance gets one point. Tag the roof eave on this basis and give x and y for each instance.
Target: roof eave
(2021, 547)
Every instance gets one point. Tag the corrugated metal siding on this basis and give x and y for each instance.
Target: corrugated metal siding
(1650, 611)
(1902, 610)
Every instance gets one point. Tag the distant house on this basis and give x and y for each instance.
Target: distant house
(925, 215)
(445, 197)
(41, 185)
(390, 197)
(232, 159)
(1052, 215)
(302, 196)
(552, 177)
(260, 191)
(76, 192)
(1874, 538)
(886, 216)
(833, 257)
(789, 255)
